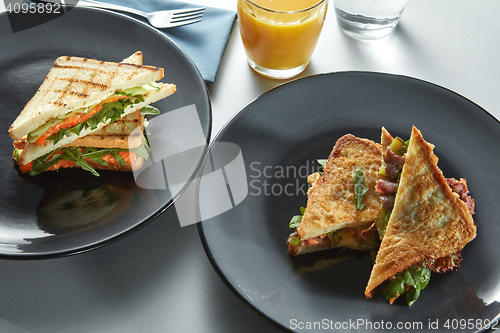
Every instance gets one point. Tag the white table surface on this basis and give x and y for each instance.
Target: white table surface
(159, 278)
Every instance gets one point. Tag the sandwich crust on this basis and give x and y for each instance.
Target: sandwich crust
(330, 205)
(428, 220)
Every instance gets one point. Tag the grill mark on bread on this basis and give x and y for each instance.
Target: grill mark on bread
(71, 81)
(79, 94)
(87, 84)
(62, 66)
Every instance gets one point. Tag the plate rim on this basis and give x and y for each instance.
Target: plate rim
(126, 232)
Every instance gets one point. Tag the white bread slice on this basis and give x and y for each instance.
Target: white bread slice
(75, 82)
(119, 134)
(33, 151)
(428, 220)
(134, 59)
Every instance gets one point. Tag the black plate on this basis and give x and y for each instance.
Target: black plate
(281, 134)
(30, 226)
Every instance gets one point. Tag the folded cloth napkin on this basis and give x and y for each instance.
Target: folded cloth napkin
(204, 42)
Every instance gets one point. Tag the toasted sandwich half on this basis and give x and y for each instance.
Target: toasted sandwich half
(342, 202)
(106, 134)
(428, 224)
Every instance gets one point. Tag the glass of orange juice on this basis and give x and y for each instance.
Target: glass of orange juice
(280, 36)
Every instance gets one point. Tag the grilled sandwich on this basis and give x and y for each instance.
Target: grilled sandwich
(90, 114)
(426, 224)
(342, 202)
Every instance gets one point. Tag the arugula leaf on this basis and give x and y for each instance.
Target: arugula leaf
(78, 156)
(150, 110)
(43, 163)
(110, 111)
(322, 164)
(404, 150)
(359, 190)
(381, 221)
(411, 281)
(141, 151)
(118, 157)
(295, 221)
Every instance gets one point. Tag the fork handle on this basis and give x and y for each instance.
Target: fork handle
(97, 4)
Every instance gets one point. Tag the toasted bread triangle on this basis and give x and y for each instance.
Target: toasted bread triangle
(330, 205)
(121, 133)
(74, 83)
(428, 220)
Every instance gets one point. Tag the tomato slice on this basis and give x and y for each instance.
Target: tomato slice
(75, 119)
(25, 167)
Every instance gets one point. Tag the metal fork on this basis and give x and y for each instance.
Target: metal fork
(158, 19)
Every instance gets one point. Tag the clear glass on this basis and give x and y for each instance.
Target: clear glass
(368, 19)
(279, 44)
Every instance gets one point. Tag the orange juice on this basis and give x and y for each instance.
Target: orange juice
(280, 34)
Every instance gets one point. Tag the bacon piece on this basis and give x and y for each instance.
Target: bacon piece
(393, 163)
(388, 200)
(386, 187)
(460, 188)
(444, 264)
(311, 241)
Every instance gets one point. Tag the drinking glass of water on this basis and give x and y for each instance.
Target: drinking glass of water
(368, 19)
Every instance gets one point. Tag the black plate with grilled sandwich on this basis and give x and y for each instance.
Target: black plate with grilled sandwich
(71, 211)
(281, 134)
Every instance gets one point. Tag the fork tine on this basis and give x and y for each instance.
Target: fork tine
(181, 23)
(182, 19)
(186, 14)
(188, 10)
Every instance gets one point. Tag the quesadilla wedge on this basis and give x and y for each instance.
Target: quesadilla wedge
(342, 202)
(428, 224)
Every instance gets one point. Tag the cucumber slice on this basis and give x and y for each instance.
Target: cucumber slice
(34, 135)
(140, 90)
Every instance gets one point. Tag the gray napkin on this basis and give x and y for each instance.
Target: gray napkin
(204, 42)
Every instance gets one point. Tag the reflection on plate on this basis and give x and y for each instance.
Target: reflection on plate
(33, 211)
(282, 134)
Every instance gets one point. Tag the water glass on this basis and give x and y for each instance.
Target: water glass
(368, 19)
